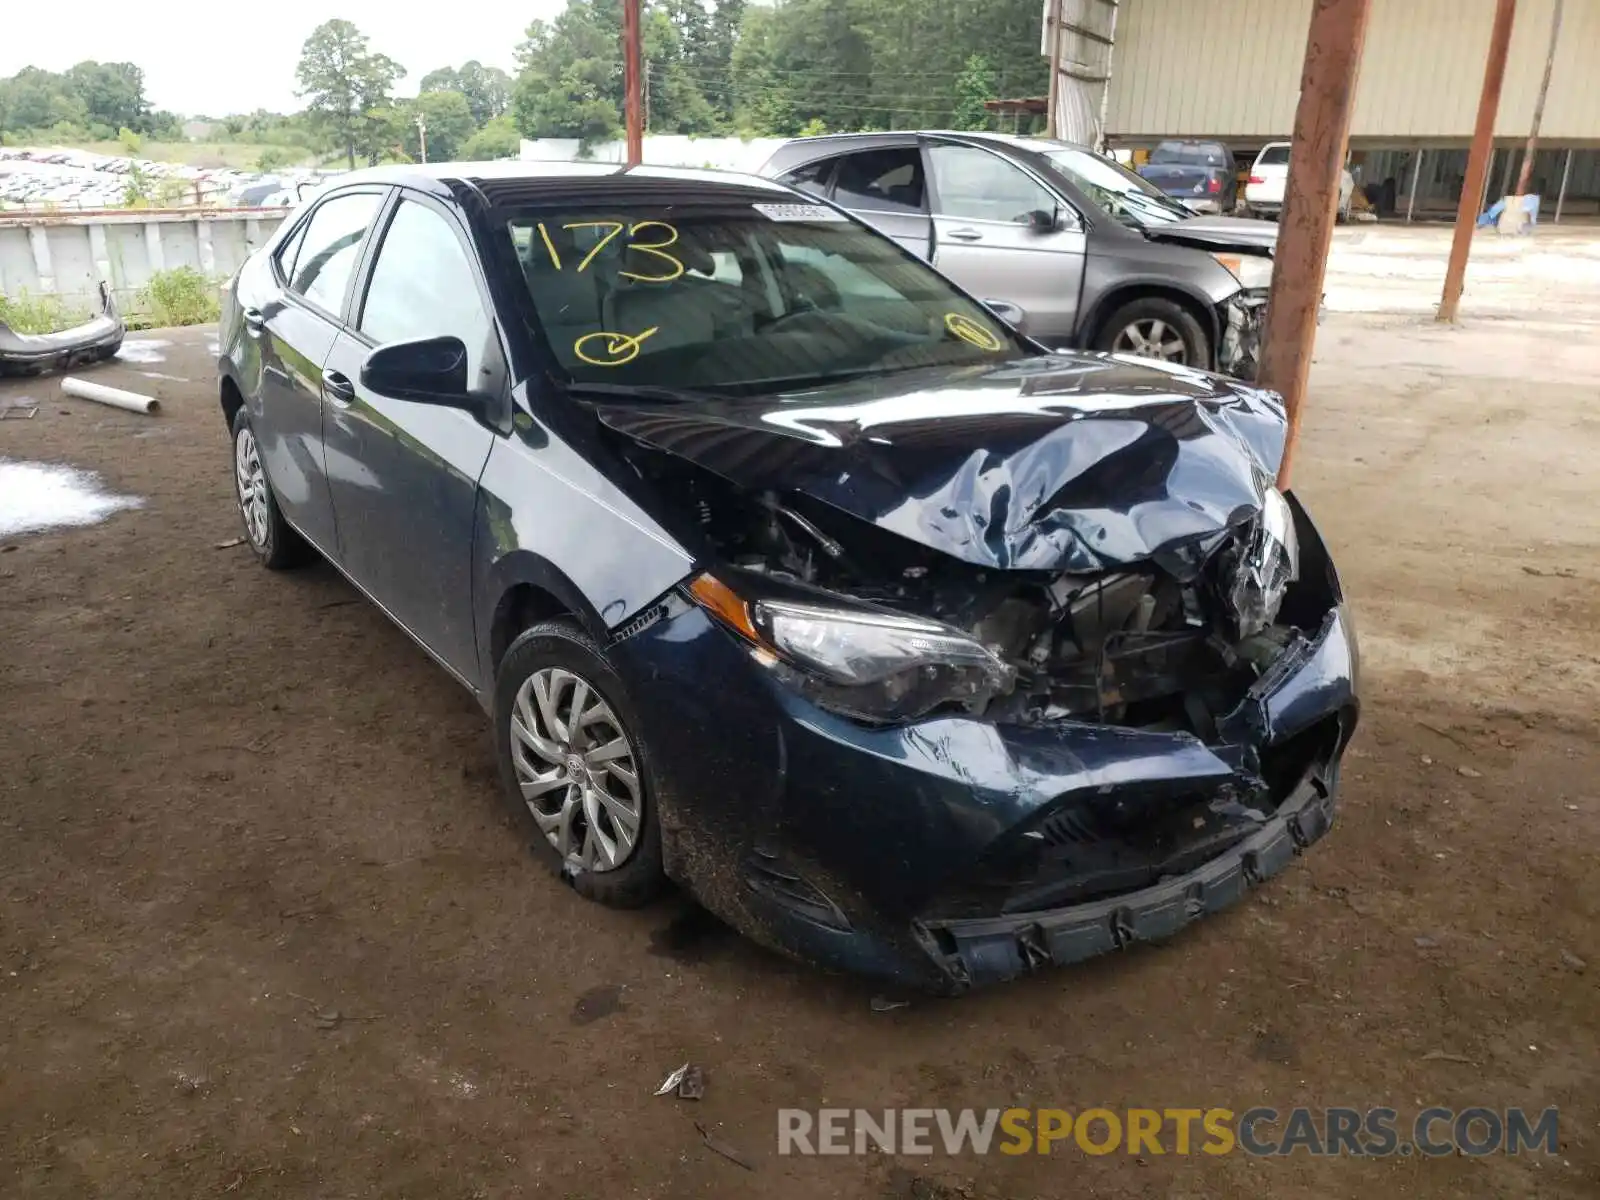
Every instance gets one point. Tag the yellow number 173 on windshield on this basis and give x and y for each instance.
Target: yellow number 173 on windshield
(655, 247)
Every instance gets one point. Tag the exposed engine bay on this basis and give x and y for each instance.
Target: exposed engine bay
(1168, 646)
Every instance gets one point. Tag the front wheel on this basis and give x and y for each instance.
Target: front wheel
(1153, 327)
(574, 766)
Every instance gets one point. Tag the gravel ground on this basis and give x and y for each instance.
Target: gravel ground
(265, 933)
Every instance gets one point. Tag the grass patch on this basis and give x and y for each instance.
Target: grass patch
(181, 296)
(39, 314)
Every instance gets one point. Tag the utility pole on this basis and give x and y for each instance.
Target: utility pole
(422, 135)
(1538, 106)
(633, 103)
(1052, 126)
(1316, 162)
(1494, 73)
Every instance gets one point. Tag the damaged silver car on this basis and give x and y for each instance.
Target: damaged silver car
(790, 573)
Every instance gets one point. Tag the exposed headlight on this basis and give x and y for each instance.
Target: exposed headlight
(1269, 564)
(1251, 270)
(871, 665)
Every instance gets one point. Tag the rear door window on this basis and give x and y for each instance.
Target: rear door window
(330, 249)
(813, 177)
(882, 181)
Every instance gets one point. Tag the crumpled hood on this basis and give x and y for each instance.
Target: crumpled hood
(1074, 462)
(1243, 234)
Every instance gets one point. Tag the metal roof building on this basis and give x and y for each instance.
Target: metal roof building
(1143, 70)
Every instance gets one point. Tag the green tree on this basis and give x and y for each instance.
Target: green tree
(497, 139)
(112, 94)
(974, 86)
(570, 79)
(448, 121)
(346, 87)
(130, 141)
(487, 89)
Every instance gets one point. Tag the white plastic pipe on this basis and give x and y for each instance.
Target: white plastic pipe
(115, 397)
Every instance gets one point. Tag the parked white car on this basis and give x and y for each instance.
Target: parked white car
(1269, 174)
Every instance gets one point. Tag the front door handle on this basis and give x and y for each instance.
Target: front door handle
(337, 388)
(965, 235)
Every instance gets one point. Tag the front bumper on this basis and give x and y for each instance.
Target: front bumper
(1243, 314)
(894, 852)
(94, 341)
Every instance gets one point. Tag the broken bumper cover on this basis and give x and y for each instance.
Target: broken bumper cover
(953, 852)
(94, 341)
(979, 951)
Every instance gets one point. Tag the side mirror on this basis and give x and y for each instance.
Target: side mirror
(1012, 314)
(1043, 222)
(431, 371)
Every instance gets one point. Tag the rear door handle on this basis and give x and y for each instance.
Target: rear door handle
(965, 235)
(337, 388)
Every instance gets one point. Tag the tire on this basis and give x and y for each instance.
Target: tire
(277, 545)
(1154, 320)
(557, 657)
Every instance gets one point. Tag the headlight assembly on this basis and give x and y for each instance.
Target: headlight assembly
(877, 666)
(1251, 270)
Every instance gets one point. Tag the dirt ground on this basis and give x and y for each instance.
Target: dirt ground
(264, 931)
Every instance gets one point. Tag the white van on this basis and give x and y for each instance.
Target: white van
(1263, 192)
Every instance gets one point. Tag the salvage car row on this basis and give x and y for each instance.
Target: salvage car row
(789, 572)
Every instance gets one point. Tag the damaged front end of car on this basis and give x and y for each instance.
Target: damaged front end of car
(984, 710)
(94, 341)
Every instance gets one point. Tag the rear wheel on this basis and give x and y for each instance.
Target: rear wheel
(276, 544)
(1153, 327)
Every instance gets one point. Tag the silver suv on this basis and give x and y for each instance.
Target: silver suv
(1094, 256)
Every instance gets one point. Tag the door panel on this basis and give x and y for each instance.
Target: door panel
(982, 238)
(403, 474)
(886, 188)
(296, 331)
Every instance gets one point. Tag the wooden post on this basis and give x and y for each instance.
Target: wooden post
(1538, 105)
(1494, 73)
(633, 102)
(1052, 117)
(1321, 128)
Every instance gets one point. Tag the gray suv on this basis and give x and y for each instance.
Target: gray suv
(1094, 256)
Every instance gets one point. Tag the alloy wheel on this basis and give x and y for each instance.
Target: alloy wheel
(1151, 337)
(251, 482)
(577, 770)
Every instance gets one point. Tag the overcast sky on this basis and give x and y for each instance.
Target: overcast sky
(221, 58)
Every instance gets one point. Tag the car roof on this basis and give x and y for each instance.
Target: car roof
(807, 149)
(524, 181)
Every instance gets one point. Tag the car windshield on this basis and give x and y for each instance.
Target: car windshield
(1129, 198)
(739, 298)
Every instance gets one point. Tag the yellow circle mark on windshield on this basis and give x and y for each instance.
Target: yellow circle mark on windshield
(970, 331)
(610, 349)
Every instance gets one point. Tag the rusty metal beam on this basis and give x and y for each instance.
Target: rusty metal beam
(1494, 73)
(633, 102)
(1316, 162)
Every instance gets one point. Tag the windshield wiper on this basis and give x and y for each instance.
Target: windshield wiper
(637, 391)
